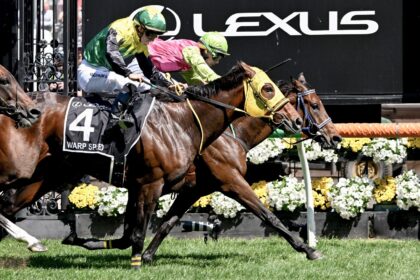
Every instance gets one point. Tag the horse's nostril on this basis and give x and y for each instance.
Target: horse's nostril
(34, 112)
(4, 81)
(337, 138)
(299, 121)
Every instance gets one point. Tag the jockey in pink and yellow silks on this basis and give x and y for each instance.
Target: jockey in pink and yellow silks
(193, 60)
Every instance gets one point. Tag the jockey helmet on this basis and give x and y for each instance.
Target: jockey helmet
(151, 18)
(216, 43)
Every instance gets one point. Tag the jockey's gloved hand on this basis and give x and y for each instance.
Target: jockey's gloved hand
(131, 89)
(159, 78)
(136, 77)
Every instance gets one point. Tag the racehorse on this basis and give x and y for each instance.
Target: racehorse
(222, 168)
(170, 141)
(14, 102)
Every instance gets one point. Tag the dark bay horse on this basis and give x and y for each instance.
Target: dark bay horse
(170, 141)
(14, 102)
(222, 168)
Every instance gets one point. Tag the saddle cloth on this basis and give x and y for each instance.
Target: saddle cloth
(85, 122)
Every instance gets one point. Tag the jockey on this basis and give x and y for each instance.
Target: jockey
(106, 59)
(192, 59)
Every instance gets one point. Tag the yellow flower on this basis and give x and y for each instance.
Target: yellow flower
(413, 143)
(203, 201)
(355, 144)
(260, 189)
(320, 189)
(84, 196)
(288, 143)
(385, 190)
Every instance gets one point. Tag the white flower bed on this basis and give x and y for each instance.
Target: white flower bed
(223, 205)
(269, 148)
(387, 150)
(286, 194)
(349, 197)
(112, 201)
(408, 190)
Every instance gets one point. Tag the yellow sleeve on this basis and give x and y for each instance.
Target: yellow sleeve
(200, 70)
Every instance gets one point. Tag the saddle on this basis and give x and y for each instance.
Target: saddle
(88, 118)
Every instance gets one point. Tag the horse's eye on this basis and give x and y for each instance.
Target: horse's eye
(267, 91)
(268, 88)
(315, 106)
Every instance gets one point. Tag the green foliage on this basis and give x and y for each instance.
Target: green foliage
(268, 258)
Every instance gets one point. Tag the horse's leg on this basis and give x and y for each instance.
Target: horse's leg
(242, 192)
(17, 201)
(19, 234)
(181, 204)
(147, 197)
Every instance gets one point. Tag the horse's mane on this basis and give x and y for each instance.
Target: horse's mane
(161, 95)
(285, 86)
(231, 80)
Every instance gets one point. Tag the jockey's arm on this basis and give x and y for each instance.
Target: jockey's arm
(114, 56)
(202, 71)
(145, 65)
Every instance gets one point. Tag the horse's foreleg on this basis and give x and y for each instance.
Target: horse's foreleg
(181, 204)
(242, 192)
(11, 204)
(19, 234)
(147, 198)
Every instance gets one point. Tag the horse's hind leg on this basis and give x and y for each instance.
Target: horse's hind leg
(243, 193)
(181, 204)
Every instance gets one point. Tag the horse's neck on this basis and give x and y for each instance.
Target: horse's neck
(251, 131)
(215, 120)
(53, 107)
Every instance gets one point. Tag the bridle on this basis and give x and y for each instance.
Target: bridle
(16, 112)
(311, 125)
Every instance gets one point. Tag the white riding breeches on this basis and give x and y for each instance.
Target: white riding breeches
(93, 79)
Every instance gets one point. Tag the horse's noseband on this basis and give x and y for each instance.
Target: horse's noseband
(312, 127)
(16, 113)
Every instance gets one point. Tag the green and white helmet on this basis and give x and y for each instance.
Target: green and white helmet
(151, 17)
(215, 42)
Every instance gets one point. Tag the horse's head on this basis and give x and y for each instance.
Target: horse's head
(264, 99)
(317, 123)
(14, 102)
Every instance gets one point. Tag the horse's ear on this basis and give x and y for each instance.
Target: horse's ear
(301, 78)
(247, 68)
(243, 65)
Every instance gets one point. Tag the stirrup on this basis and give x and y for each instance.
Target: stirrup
(126, 123)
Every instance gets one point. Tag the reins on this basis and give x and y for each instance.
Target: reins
(197, 97)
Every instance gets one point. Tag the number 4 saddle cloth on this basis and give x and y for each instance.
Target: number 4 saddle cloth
(85, 124)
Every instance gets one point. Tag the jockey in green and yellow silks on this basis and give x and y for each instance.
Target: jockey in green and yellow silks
(106, 60)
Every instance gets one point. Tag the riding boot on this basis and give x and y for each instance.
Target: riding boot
(120, 116)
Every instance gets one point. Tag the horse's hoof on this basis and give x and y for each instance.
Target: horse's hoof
(135, 267)
(69, 240)
(37, 247)
(147, 259)
(314, 255)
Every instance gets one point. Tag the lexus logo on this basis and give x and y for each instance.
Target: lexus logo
(364, 25)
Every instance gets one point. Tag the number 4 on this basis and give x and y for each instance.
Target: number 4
(87, 128)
